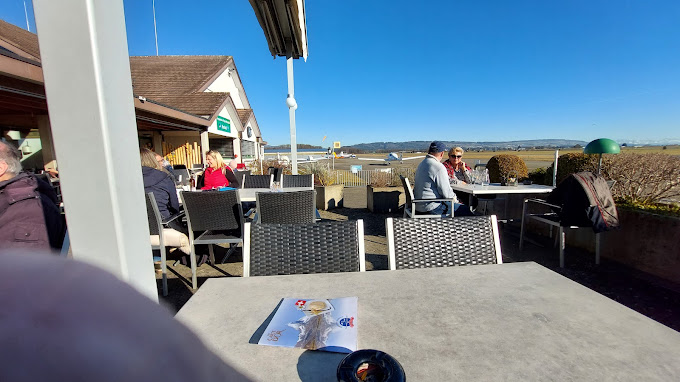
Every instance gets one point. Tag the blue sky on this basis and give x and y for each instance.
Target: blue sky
(468, 70)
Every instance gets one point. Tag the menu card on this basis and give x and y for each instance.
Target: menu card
(314, 324)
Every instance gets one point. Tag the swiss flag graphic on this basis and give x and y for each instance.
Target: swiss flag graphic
(300, 303)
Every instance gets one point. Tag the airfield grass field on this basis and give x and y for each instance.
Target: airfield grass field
(533, 158)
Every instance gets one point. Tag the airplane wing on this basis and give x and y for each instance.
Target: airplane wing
(409, 158)
(373, 159)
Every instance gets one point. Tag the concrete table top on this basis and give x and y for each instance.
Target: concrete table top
(517, 321)
(497, 189)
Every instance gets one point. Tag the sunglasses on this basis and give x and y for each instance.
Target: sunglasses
(455, 156)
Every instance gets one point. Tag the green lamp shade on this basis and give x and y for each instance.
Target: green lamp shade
(602, 146)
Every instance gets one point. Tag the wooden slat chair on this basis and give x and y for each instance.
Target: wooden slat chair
(287, 249)
(427, 243)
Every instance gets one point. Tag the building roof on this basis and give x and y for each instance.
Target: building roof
(14, 38)
(203, 104)
(244, 115)
(175, 75)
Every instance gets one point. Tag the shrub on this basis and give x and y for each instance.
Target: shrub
(571, 163)
(503, 166)
(539, 176)
(381, 179)
(323, 176)
(255, 166)
(644, 179)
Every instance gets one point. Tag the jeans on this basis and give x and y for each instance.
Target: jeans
(458, 209)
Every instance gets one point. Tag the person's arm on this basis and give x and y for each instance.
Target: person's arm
(231, 177)
(441, 177)
(172, 193)
(466, 173)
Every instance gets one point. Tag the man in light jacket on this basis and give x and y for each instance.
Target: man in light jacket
(432, 182)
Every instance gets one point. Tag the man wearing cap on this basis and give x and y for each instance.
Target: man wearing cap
(432, 182)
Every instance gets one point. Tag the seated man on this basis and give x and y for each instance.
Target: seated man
(29, 214)
(432, 182)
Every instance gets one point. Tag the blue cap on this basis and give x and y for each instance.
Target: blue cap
(437, 147)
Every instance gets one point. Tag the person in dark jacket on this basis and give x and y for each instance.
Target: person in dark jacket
(29, 212)
(158, 181)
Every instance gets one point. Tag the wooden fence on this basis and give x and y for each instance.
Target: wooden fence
(186, 154)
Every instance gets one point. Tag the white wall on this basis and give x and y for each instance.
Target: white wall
(229, 82)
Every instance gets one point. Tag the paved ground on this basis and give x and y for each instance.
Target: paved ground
(646, 294)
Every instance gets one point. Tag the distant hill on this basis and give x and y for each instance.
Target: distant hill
(299, 146)
(423, 145)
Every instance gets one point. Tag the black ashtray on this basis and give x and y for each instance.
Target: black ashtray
(370, 365)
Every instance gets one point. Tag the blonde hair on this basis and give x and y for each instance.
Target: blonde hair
(456, 150)
(218, 158)
(148, 158)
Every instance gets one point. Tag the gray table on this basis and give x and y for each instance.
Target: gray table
(516, 321)
(496, 189)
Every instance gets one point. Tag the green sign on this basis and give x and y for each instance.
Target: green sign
(223, 124)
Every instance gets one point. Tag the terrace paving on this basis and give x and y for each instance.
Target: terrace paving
(651, 296)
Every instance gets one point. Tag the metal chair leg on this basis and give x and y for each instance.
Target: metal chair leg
(231, 250)
(521, 231)
(194, 280)
(212, 254)
(561, 234)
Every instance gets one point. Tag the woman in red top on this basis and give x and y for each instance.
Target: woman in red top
(214, 175)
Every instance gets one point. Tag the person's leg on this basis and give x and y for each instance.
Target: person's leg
(461, 210)
(441, 210)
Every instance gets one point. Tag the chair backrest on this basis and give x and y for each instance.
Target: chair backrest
(213, 210)
(408, 191)
(183, 176)
(153, 215)
(297, 181)
(429, 243)
(257, 181)
(286, 249)
(276, 171)
(286, 207)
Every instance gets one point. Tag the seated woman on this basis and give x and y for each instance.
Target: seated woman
(458, 171)
(217, 174)
(158, 181)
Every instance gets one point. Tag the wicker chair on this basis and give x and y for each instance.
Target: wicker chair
(297, 181)
(217, 217)
(286, 207)
(257, 181)
(410, 206)
(286, 249)
(426, 243)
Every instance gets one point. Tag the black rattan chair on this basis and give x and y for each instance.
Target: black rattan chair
(287, 249)
(410, 205)
(427, 243)
(257, 181)
(213, 217)
(297, 181)
(156, 232)
(286, 207)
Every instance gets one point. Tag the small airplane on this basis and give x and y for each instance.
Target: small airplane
(310, 159)
(343, 155)
(392, 157)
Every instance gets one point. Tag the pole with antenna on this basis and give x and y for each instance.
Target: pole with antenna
(28, 26)
(155, 31)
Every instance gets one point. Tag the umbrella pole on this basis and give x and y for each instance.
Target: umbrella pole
(290, 101)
